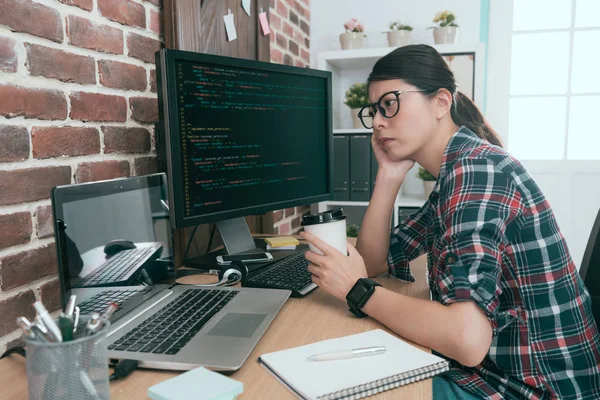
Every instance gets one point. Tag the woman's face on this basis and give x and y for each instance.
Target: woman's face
(411, 128)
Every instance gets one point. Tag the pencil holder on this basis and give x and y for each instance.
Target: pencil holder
(76, 369)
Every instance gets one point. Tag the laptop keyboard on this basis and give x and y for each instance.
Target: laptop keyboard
(175, 325)
(118, 267)
(288, 273)
(99, 302)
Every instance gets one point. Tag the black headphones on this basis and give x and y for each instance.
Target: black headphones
(228, 276)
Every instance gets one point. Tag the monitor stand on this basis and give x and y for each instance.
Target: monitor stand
(236, 236)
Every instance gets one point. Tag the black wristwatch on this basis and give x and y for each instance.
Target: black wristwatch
(360, 293)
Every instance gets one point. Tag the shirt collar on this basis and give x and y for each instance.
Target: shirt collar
(462, 138)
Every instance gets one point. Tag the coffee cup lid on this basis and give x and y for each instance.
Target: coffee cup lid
(325, 216)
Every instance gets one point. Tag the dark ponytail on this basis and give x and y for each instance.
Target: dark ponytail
(423, 67)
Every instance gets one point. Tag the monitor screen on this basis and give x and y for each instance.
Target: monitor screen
(244, 137)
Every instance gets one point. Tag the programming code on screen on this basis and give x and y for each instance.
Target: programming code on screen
(249, 137)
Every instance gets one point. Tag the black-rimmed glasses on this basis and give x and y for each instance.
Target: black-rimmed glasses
(388, 105)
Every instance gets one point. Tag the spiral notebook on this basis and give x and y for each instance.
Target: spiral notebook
(352, 378)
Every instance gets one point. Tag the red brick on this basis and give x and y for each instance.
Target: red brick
(302, 11)
(305, 55)
(15, 229)
(8, 55)
(87, 34)
(307, 43)
(145, 166)
(30, 17)
(44, 222)
(14, 143)
(281, 40)
(13, 307)
(288, 60)
(125, 12)
(123, 76)
(293, 46)
(287, 29)
(126, 140)
(282, 9)
(296, 223)
(277, 215)
(144, 109)
(87, 5)
(156, 22)
(274, 21)
(32, 103)
(25, 185)
(293, 17)
(289, 212)
(61, 65)
(285, 229)
(298, 63)
(153, 80)
(298, 36)
(276, 56)
(50, 295)
(301, 210)
(305, 27)
(98, 171)
(142, 47)
(64, 141)
(28, 266)
(98, 107)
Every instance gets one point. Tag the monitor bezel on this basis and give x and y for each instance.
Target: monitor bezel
(166, 72)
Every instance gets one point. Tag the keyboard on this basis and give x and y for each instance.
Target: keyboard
(100, 302)
(119, 268)
(172, 327)
(289, 273)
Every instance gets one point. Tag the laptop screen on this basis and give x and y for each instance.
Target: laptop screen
(111, 233)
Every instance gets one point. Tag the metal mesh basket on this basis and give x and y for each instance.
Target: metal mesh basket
(76, 369)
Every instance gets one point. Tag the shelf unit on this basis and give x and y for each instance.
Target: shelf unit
(350, 66)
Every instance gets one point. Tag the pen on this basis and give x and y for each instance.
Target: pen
(66, 327)
(76, 322)
(70, 308)
(26, 327)
(339, 355)
(112, 307)
(93, 324)
(48, 321)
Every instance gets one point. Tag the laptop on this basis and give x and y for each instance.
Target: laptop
(164, 326)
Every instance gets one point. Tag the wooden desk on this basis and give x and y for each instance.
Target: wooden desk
(315, 317)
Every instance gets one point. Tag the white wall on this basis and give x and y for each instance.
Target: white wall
(328, 18)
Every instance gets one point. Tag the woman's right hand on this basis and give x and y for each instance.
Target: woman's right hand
(396, 170)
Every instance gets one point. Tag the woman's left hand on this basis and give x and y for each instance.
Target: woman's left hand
(333, 271)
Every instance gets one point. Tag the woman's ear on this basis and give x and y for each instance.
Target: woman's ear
(443, 103)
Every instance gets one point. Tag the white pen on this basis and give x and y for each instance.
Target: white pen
(339, 355)
(48, 321)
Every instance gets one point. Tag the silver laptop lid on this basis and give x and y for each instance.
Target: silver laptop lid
(108, 232)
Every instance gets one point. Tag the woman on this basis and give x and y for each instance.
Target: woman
(509, 308)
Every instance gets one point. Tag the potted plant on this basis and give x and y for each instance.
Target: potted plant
(354, 35)
(428, 181)
(399, 34)
(356, 98)
(447, 31)
(352, 230)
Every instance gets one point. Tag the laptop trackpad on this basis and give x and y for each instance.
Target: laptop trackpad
(237, 325)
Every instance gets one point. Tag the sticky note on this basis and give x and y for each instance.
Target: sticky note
(197, 384)
(230, 27)
(246, 6)
(264, 23)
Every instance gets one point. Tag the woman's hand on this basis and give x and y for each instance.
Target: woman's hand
(333, 271)
(394, 169)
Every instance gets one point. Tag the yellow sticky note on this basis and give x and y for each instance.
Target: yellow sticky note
(282, 241)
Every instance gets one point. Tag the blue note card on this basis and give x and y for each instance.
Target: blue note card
(197, 384)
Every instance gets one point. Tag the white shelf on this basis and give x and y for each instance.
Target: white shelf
(353, 131)
(366, 57)
(401, 201)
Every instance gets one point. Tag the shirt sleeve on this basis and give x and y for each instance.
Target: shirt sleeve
(479, 204)
(407, 242)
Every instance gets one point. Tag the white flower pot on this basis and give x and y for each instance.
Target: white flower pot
(427, 188)
(352, 40)
(398, 38)
(445, 35)
(355, 120)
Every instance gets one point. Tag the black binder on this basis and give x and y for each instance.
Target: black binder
(374, 168)
(341, 168)
(360, 168)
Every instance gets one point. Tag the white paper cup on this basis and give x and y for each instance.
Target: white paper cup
(330, 227)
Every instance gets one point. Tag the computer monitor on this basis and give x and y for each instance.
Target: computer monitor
(241, 138)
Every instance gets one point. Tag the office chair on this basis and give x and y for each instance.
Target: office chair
(590, 268)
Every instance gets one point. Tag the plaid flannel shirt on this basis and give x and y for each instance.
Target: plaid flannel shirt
(492, 238)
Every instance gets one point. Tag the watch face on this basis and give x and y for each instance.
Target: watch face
(358, 292)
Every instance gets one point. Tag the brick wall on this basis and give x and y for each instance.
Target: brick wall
(289, 21)
(77, 102)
